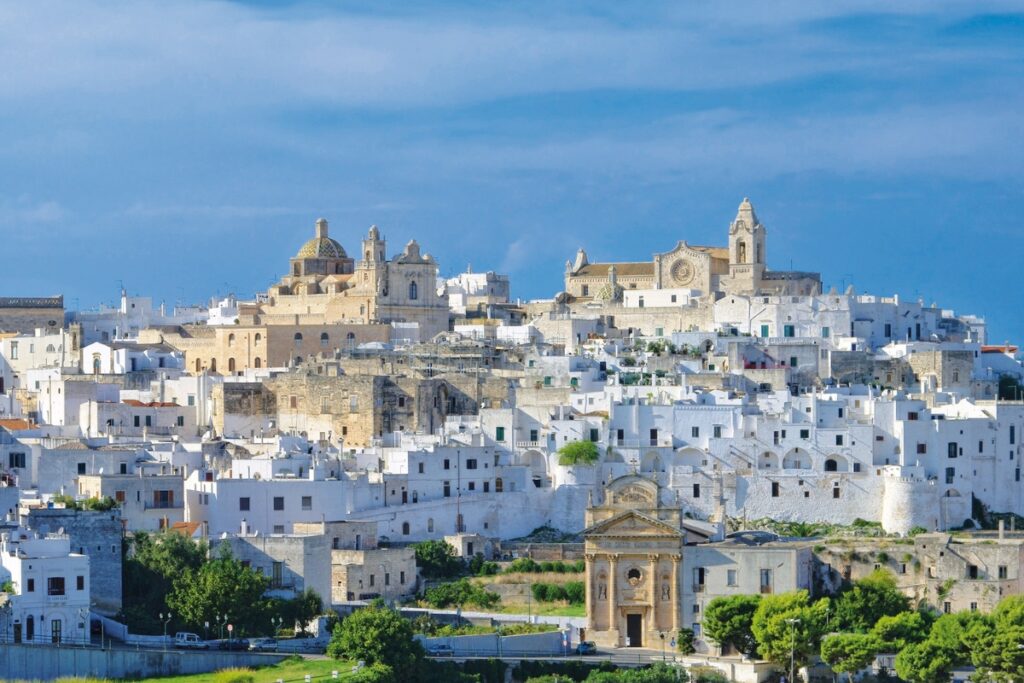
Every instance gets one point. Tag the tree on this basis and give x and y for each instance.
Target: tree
(459, 593)
(871, 598)
(222, 586)
(728, 622)
(378, 635)
(927, 662)
(849, 652)
(151, 565)
(436, 560)
(777, 636)
(375, 673)
(994, 643)
(303, 608)
(578, 453)
(897, 632)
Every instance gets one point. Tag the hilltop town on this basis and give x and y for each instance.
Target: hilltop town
(690, 427)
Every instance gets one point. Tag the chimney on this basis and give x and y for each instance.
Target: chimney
(245, 528)
(1002, 529)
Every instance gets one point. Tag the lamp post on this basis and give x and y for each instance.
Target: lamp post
(166, 620)
(275, 623)
(792, 648)
(222, 620)
(661, 634)
(206, 630)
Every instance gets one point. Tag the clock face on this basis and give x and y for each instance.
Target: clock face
(682, 272)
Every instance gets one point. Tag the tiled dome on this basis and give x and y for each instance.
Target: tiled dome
(321, 247)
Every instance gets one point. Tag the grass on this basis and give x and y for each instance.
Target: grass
(547, 609)
(292, 669)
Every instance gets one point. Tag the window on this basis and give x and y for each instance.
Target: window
(419, 468)
(731, 578)
(1002, 571)
(401, 578)
(974, 607)
(696, 490)
(298, 339)
(124, 468)
(911, 416)
(792, 361)
(835, 492)
(31, 586)
(805, 433)
(279, 503)
(947, 607)
(55, 585)
(80, 583)
(470, 463)
(372, 579)
(387, 579)
(181, 421)
(1013, 434)
(716, 431)
(825, 332)
(472, 486)
(922, 448)
(16, 460)
(839, 439)
(149, 420)
(276, 574)
(324, 339)
(585, 291)
(447, 464)
(695, 432)
(414, 291)
(593, 434)
(533, 435)
(307, 502)
(243, 504)
(764, 330)
(620, 435)
(136, 421)
(775, 489)
(766, 580)
(447, 489)
(950, 474)
(788, 331)
(972, 571)
(487, 487)
(119, 496)
(499, 434)
(405, 528)
(81, 468)
(430, 525)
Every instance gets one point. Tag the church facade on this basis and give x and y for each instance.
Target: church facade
(633, 547)
(739, 268)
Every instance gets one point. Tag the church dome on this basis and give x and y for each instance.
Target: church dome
(321, 246)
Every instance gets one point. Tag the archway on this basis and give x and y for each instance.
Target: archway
(797, 459)
(767, 461)
(538, 465)
(836, 463)
(651, 462)
(693, 457)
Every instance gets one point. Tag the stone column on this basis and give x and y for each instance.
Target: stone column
(676, 593)
(591, 595)
(652, 573)
(613, 578)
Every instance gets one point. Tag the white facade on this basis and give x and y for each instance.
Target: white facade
(50, 602)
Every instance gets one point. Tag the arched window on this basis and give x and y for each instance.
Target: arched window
(231, 364)
(298, 339)
(231, 339)
(258, 338)
(414, 290)
(350, 336)
(405, 528)
(258, 363)
(430, 525)
(831, 465)
(199, 365)
(499, 485)
(324, 338)
(295, 269)
(415, 496)
(741, 252)
(213, 365)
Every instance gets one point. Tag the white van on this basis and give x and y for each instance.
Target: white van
(189, 641)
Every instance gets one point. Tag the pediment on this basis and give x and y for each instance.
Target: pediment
(632, 523)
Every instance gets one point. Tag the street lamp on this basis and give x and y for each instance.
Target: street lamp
(792, 648)
(275, 623)
(222, 620)
(166, 620)
(661, 634)
(206, 630)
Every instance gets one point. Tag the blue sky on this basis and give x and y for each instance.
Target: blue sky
(187, 147)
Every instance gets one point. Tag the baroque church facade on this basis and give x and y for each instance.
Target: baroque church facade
(739, 268)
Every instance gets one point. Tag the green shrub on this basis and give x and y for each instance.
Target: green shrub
(575, 592)
(459, 593)
(234, 676)
(578, 453)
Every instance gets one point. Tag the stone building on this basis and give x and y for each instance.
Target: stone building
(737, 268)
(634, 546)
(25, 315)
(93, 534)
(324, 282)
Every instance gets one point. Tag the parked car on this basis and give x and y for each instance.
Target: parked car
(587, 647)
(440, 651)
(189, 641)
(263, 645)
(234, 644)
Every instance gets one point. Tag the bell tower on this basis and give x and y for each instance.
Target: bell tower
(746, 250)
